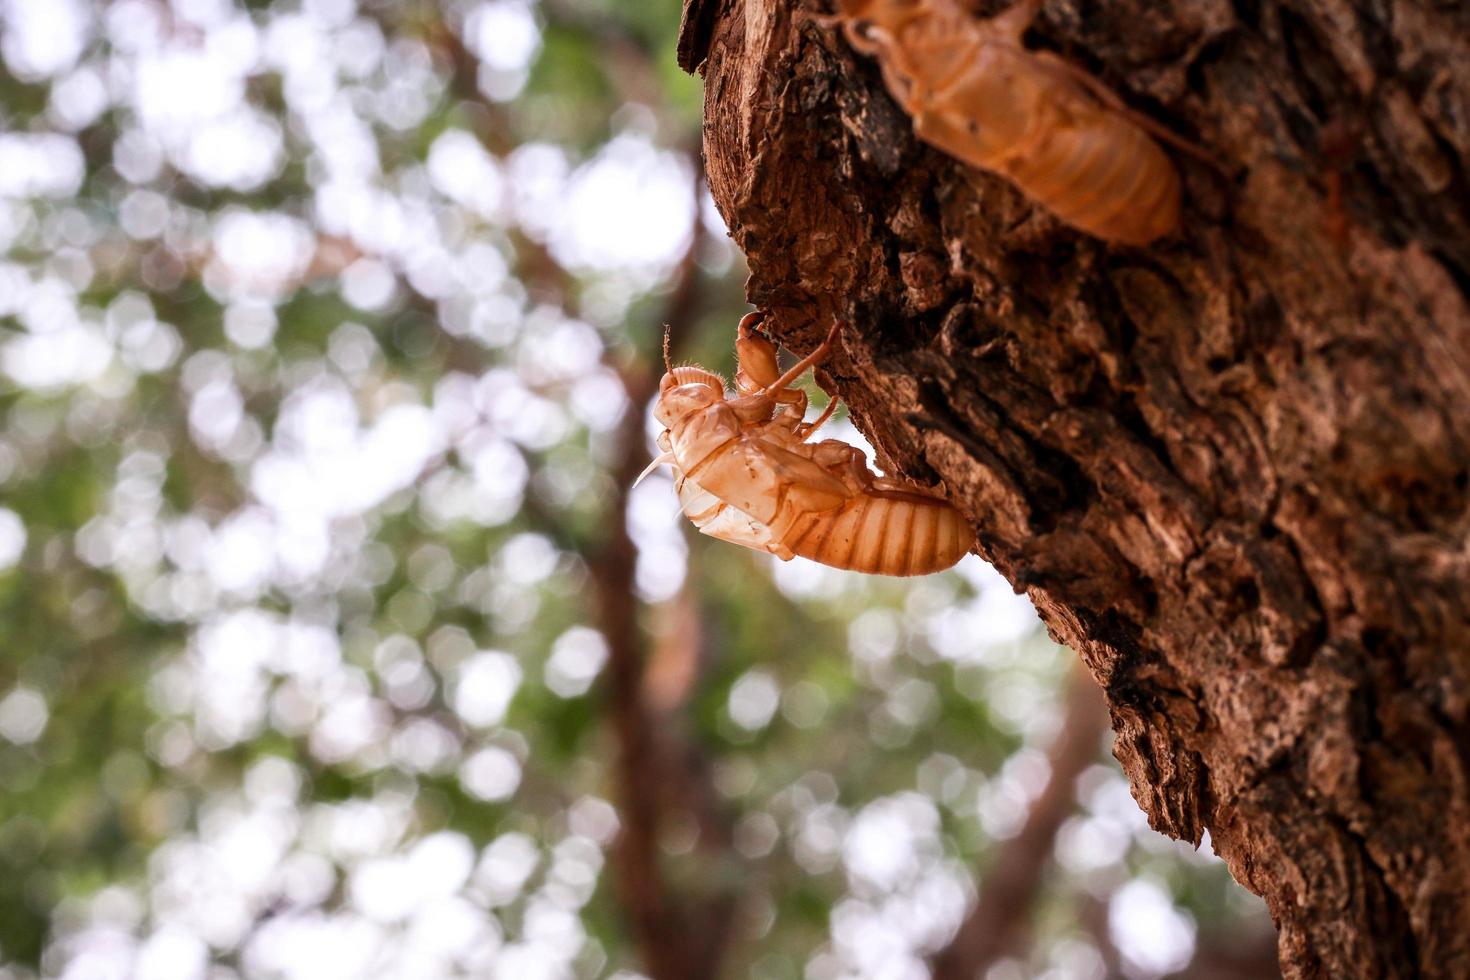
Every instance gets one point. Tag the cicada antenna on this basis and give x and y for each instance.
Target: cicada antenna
(668, 366)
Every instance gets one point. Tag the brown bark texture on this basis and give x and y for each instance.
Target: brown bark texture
(1230, 468)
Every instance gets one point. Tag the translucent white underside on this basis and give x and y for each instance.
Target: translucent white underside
(721, 520)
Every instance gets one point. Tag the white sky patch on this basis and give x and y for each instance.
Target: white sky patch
(491, 774)
(39, 165)
(1007, 615)
(631, 208)
(360, 47)
(251, 325)
(661, 569)
(802, 578)
(41, 39)
(1003, 802)
(240, 557)
(258, 254)
(538, 177)
(504, 867)
(1085, 845)
(312, 946)
(133, 26)
(240, 150)
(888, 841)
(171, 953)
(464, 171)
(12, 538)
(598, 400)
(296, 44)
(191, 100)
(753, 700)
(352, 725)
(215, 412)
(179, 89)
(577, 657)
(323, 466)
(234, 861)
(973, 631)
(1155, 937)
(533, 421)
(390, 889)
(15, 285)
(148, 346)
(233, 652)
(484, 686)
(555, 349)
(503, 34)
(23, 716)
(423, 745)
(655, 523)
(137, 156)
(71, 354)
(906, 898)
(343, 141)
(368, 284)
(499, 469)
(527, 558)
(593, 818)
(78, 99)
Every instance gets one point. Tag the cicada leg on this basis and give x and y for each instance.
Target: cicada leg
(758, 367)
(811, 360)
(805, 430)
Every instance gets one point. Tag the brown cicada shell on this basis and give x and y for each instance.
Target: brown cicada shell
(745, 473)
(1059, 134)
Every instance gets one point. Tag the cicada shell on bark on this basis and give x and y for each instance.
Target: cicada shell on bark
(1059, 134)
(746, 473)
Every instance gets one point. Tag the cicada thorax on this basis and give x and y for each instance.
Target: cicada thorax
(758, 476)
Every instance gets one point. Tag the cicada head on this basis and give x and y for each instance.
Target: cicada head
(685, 390)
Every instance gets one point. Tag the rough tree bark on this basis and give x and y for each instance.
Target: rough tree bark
(1230, 469)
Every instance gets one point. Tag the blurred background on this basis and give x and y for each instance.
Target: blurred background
(332, 643)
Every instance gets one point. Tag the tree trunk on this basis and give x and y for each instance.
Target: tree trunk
(1231, 468)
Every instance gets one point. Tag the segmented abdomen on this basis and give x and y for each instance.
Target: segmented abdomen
(899, 534)
(1104, 175)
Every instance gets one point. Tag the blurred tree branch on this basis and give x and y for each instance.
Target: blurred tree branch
(999, 923)
(680, 936)
(1233, 957)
